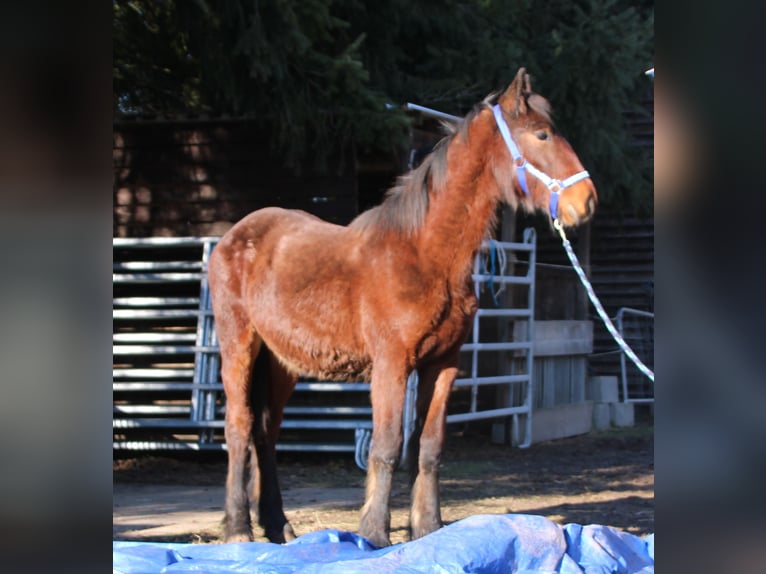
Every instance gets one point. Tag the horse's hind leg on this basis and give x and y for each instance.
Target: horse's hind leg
(433, 392)
(238, 348)
(273, 385)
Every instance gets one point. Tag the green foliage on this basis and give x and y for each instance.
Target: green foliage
(289, 64)
(150, 72)
(594, 58)
(319, 73)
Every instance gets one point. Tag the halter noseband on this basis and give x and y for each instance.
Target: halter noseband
(523, 166)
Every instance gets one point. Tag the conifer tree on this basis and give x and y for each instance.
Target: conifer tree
(323, 75)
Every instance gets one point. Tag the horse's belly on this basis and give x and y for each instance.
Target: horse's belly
(329, 366)
(322, 361)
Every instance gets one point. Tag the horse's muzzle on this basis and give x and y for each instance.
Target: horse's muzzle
(578, 203)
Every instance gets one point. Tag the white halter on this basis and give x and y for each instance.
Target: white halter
(522, 166)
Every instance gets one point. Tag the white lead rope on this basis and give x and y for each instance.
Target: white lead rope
(597, 304)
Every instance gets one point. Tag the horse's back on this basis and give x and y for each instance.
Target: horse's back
(262, 223)
(256, 238)
(294, 278)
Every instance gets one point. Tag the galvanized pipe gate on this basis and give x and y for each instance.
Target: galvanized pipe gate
(637, 328)
(167, 392)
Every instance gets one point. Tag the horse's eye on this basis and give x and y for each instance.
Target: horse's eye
(542, 135)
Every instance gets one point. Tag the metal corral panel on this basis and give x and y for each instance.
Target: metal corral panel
(637, 328)
(167, 392)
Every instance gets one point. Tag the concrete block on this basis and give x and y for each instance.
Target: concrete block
(562, 421)
(622, 414)
(603, 390)
(602, 416)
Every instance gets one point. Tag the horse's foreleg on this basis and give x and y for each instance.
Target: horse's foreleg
(272, 388)
(236, 373)
(387, 394)
(435, 386)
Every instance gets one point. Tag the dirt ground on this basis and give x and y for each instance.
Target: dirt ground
(599, 478)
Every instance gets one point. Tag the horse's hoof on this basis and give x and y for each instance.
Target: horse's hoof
(288, 532)
(238, 537)
(416, 533)
(281, 536)
(377, 540)
(236, 529)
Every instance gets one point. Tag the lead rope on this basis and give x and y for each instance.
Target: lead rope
(497, 263)
(597, 304)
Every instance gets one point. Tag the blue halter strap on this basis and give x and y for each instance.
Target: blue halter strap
(523, 166)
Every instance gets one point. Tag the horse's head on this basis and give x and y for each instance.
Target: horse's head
(547, 174)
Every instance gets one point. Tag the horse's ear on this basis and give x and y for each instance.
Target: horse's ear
(513, 99)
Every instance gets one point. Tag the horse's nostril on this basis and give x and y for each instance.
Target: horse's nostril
(591, 205)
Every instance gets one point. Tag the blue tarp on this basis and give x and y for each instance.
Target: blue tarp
(481, 544)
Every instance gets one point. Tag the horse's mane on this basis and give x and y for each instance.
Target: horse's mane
(404, 207)
(405, 204)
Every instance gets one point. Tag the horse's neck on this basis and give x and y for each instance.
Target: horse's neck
(460, 215)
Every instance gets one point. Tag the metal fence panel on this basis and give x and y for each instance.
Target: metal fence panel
(637, 328)
(167, 392)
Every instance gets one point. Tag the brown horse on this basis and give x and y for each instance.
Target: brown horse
(387, 294)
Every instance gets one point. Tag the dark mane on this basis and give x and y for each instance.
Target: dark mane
(405, 205)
